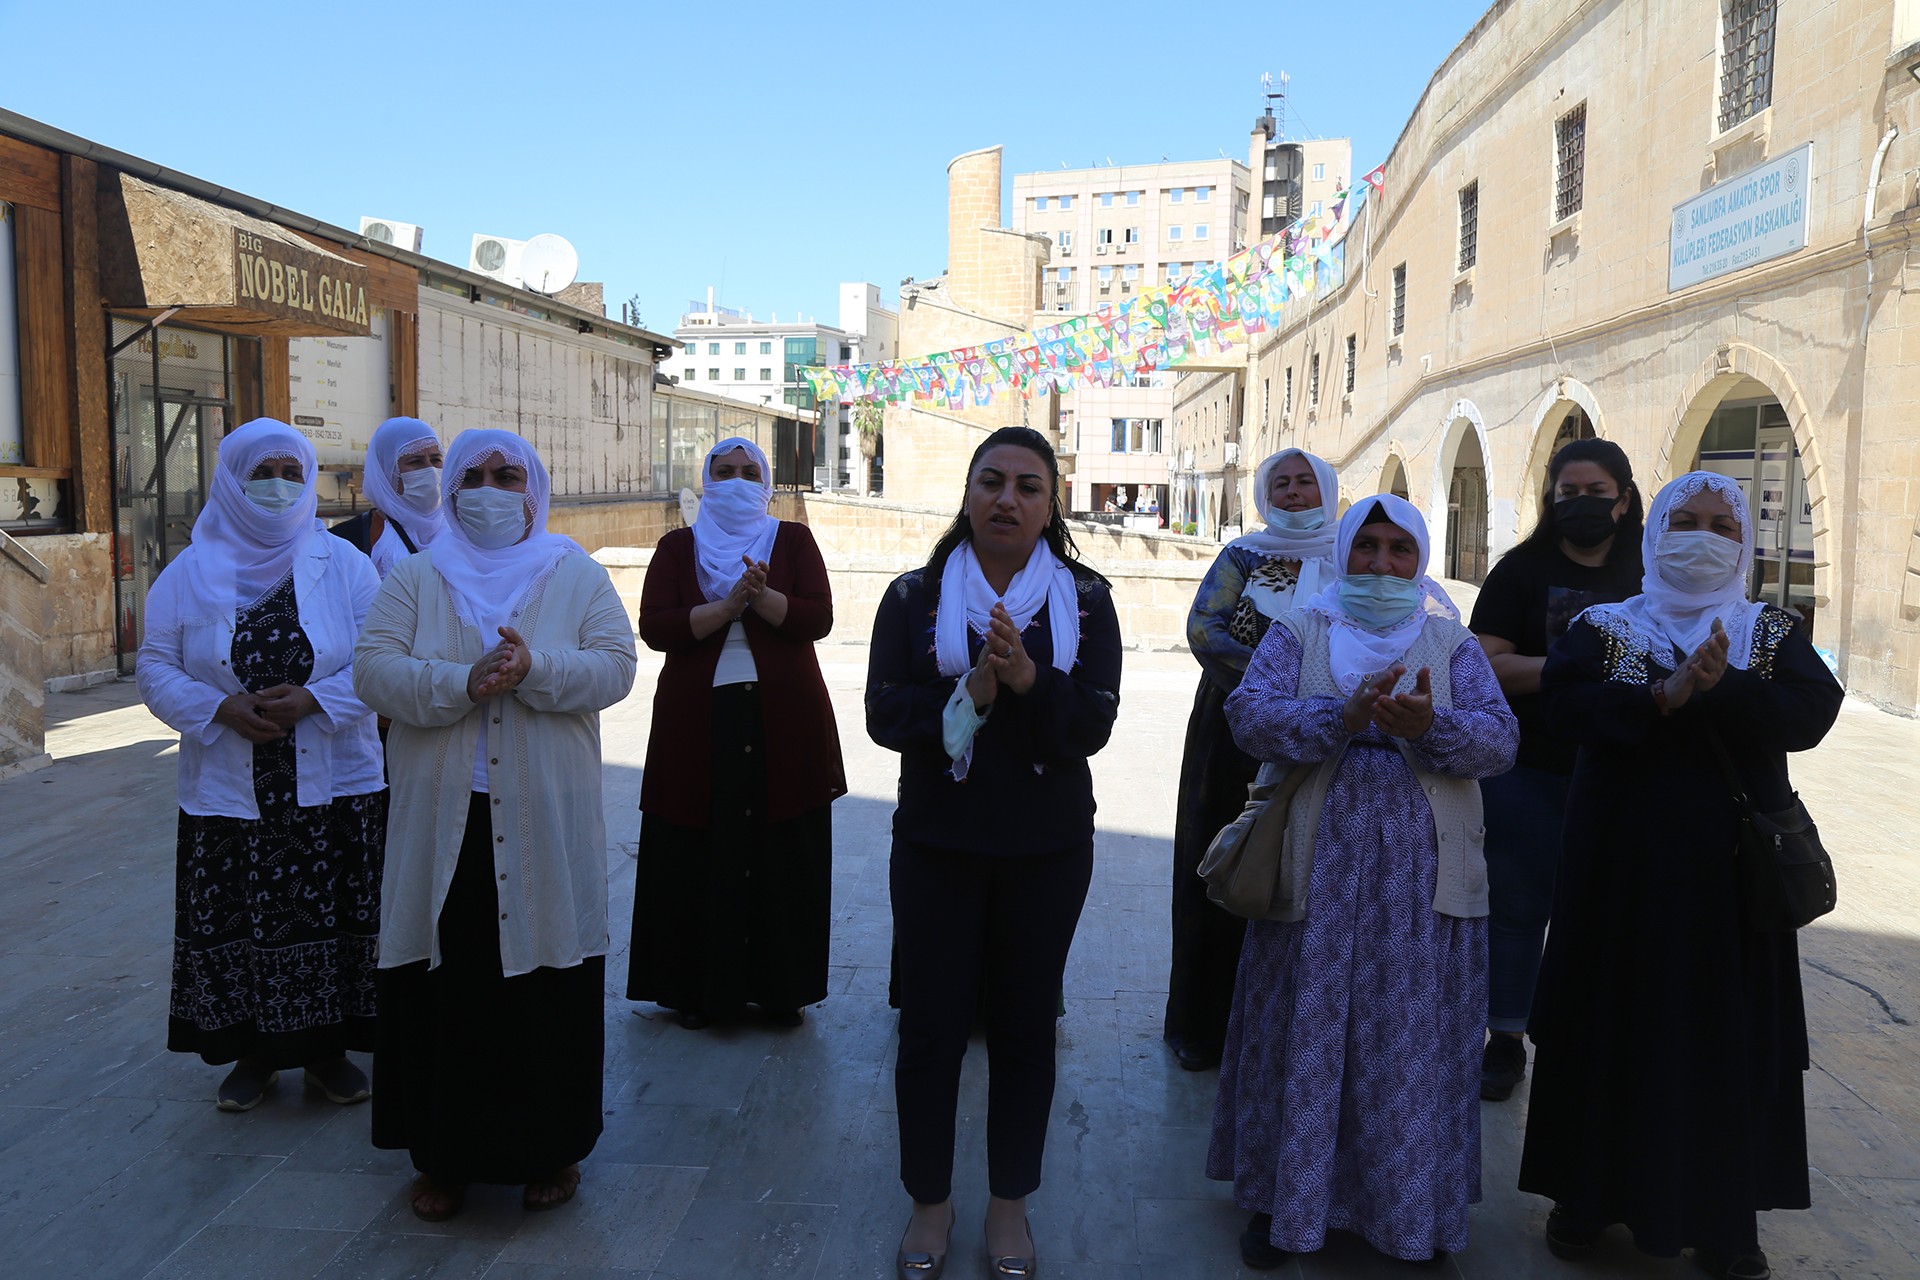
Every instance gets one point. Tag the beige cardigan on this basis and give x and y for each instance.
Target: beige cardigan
(550, 841)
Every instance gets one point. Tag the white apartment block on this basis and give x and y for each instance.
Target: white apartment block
(728, 352)
(1117, 231)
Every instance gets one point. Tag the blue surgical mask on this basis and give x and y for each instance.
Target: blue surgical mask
(493, 518)
(1378, 600)
(1299, 521)
(275, 496)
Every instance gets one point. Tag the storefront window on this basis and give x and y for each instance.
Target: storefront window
(10, 440)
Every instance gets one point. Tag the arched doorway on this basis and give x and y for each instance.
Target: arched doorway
(1749, 438)
(1393, 480)
(1467, 512)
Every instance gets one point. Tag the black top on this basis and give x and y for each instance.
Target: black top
(359, 531)
(1028, 789)
(1529, 599)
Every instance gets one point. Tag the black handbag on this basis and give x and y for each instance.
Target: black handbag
(1783, 874)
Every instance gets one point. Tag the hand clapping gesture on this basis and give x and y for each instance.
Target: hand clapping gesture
(1403, 715)
(1700, 672)
(1003, 660)
(500, 668)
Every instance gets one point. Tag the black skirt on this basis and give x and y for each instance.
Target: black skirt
(481, 1077)
(738, 912)
(1214, 776)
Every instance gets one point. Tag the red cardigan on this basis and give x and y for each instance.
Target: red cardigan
(804, 770)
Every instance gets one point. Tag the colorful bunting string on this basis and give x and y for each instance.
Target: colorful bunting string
(1159, 328)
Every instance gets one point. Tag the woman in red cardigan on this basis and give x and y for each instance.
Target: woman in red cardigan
(732, 897)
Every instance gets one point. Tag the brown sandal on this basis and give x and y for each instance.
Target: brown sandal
(435, 1201)
(539, 1196)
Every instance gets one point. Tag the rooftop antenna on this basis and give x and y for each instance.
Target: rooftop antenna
(1276, 102)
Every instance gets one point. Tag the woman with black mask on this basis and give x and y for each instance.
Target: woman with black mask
(1584, 551)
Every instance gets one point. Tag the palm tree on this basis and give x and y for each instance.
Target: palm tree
(868, 418)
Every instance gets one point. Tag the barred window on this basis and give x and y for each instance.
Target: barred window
(1399, 299)
(1286, 394)
(1746, 58)
(1313, 380)
(1353, 352)
(1469, 225)
(1570, 170)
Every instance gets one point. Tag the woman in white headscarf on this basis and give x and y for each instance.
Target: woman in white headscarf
(1256, 578)
(1349, 1089)
(493, 652)
(402, 481)
(249, 653)
(1670, 1037)
(732, 892)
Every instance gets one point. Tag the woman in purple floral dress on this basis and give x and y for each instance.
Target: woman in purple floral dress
(1349, 1088)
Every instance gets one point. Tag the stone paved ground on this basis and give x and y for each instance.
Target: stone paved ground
(756, 1152)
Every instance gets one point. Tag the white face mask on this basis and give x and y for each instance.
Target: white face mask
(1696, 561)
(275, 496)
(493, 518)
(1299, 521)
(420, 490)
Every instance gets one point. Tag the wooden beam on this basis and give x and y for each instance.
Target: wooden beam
(46, 426)
(29, 175)
(276, 391)
(92, 490)
(403, 358)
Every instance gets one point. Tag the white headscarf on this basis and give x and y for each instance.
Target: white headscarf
(1313, 548)
(966, 603)
(239, 551)
(392, 440)
(1358, 651)
(733, 521)
(1663, 618)
(488, 586)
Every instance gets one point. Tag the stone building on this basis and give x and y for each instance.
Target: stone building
(1686, 228)
(990, 289)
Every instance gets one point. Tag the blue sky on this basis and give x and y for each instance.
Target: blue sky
(768, 150)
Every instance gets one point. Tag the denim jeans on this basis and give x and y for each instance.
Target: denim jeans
(1525, 809)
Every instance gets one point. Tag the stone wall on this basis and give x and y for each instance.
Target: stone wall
(78, 645)
(866, 544)
(639, 522)
(23, 612)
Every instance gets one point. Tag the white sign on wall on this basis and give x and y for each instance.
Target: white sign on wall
(1758, 216)
(339, 391)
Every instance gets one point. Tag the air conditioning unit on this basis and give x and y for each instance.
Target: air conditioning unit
(1066, 251)
(1232, 451)
(1100, 248)
(498, 257)
(402, 235)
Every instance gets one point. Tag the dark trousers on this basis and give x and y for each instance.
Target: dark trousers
(995, 928)
(1525, 809)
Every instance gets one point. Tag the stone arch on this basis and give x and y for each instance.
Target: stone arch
(1463, 423)
(1566, 395)
(1731, 364)
(1394, 476)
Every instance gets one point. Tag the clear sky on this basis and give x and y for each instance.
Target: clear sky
(770, 150)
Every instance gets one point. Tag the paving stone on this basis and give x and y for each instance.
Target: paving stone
(222, 1252)
(624, 1216)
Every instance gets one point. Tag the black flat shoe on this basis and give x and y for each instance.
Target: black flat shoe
(1567, 1241)
(1748, 1266)
(1257, 1249)
(1193, 1058)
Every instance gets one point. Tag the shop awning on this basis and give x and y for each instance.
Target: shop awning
(161, 250)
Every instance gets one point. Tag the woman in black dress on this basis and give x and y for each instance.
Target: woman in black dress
(995, 673)
(248, 653)
(1670, 1038)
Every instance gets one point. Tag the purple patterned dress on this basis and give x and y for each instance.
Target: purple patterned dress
(1349, 1091)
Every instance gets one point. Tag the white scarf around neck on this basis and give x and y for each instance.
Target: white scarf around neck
(733, 521)
(488, 585)
(966, 604)
(1358, 651)
(1667, 623)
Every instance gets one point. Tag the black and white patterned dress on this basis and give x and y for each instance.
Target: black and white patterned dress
(277, 919)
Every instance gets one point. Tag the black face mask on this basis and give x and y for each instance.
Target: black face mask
(1585, 521)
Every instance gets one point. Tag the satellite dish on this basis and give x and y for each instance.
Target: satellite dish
(689, 507)
(548, 264)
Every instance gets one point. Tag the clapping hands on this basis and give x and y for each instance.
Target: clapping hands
(1398, 715)
(1701, 671)
(500, 668)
